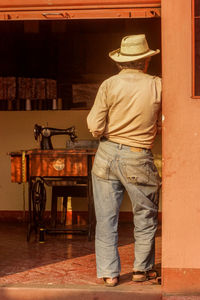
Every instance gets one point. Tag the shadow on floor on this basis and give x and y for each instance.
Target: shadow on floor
(63, 259)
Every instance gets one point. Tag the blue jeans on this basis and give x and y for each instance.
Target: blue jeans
(116, 168)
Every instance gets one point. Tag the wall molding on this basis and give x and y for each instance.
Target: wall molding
(75, 217)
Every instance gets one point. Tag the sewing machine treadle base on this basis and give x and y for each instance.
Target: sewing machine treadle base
(67, 171)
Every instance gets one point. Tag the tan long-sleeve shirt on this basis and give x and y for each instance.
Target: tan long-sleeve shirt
(127, 109)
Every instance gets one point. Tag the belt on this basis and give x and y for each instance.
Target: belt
(133, 149)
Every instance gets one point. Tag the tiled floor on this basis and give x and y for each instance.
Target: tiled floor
(63, 261)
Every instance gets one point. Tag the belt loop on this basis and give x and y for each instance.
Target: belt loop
(120, 146)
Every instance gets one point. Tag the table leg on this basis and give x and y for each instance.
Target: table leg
(54, 208)
(31, 226)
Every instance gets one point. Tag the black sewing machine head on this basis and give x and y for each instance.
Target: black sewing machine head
(44, 134)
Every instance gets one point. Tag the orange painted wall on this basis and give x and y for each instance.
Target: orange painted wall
(181, 153)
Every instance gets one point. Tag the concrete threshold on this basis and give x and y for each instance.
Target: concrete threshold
(80, 292)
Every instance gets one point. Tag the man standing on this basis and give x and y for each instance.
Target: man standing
(125, 117)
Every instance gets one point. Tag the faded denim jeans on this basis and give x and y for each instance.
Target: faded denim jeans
(116, 168)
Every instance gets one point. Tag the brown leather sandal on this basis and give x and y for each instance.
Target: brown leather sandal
(114, 281)
(152, 274)
(140, 276)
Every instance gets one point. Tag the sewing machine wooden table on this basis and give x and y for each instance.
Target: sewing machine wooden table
(67, 171)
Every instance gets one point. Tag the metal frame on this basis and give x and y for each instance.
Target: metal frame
(62, 191)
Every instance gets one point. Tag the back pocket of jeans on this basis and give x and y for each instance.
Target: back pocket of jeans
(101, 167)
(137, 174)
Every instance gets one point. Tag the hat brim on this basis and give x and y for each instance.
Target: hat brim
(118, 57)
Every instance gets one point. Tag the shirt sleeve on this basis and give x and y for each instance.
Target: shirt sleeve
(158, 89)
(159, 99)
(96, 119)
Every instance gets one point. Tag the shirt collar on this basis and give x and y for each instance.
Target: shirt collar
(131, 71)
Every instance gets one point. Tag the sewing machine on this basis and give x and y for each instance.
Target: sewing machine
(44, 134)
(67, 171)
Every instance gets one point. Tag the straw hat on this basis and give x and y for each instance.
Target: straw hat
(133, 47)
